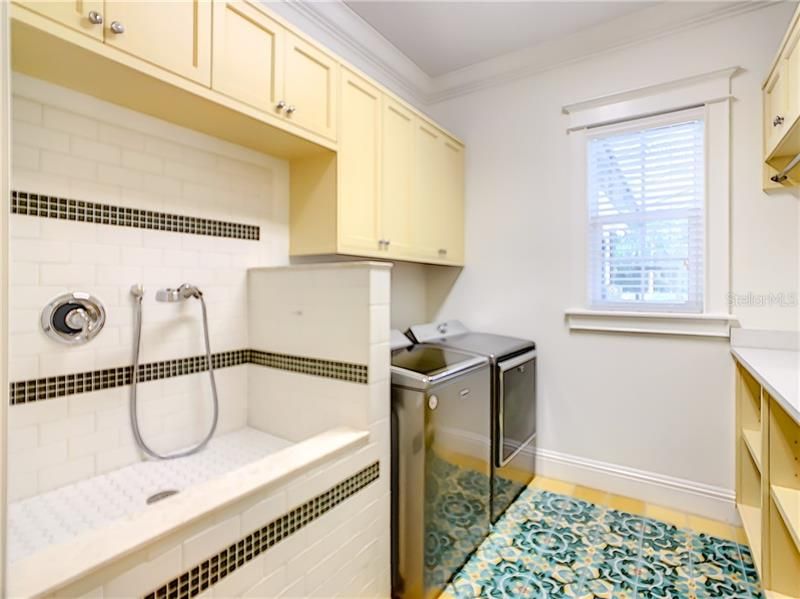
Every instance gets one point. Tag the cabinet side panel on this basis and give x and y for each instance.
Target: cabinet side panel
(312, 213)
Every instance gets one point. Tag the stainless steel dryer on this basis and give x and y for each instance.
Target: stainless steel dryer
(440, 464)
(513, 363)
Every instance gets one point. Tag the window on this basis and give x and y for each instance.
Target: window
(646, 214)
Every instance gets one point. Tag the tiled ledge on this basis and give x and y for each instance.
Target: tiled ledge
(60, 565)
(23, 392)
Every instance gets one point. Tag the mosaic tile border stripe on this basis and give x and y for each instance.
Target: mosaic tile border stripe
(23, 392)
(43, 206)
(343, 371)
(194, 581)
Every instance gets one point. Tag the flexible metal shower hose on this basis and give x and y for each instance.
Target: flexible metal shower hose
(137, 340)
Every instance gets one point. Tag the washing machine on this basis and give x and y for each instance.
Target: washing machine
(441, 463)
(513, 401)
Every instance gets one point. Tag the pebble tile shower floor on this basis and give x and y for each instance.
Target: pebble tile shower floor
(549, 545)
(69, 511)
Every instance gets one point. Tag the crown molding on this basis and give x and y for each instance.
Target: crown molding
(333, 23)
(663, 19)
(336, 25)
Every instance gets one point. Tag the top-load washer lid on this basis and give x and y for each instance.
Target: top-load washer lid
(423, 366)
(398, 340)
(453, 334)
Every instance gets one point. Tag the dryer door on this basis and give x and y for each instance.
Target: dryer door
(516, 412)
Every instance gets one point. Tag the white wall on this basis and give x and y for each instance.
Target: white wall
(70, 145)
(657, 404)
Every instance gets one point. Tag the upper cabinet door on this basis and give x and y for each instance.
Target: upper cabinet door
(174, 35)
(428, 207)
(359, 183)
(397, 179)
(438, 198)
(452, 201)
(776, 119)
(248, 55)
(310, 89)
(85, 16)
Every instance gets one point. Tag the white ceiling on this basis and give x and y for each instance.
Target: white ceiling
(442, 36)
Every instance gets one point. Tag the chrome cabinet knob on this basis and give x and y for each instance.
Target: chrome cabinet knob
(290, 109)
(95, 18)
(442, 252)
(117, 27)
(387, 242)
(778, 120)
(280, 105)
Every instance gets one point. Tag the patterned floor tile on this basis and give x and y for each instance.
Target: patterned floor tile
(552, 546)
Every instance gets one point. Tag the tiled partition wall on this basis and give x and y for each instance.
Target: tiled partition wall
(340, 313)
(196, 210)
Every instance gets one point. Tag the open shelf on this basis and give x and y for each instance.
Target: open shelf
(751, 522)
(784, 554)
(788, 503)
(752, 439)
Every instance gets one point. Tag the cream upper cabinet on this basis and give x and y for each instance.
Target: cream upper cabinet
(398, 190)
(369, 175)
(438, 211)
(397, 180)
(359, 166)
(310, 87)
(258, 61)
(781, 112)
(452, 201)
(776, 106)
(85, 16)
(248, 55)
(173, 35)
(427, 141)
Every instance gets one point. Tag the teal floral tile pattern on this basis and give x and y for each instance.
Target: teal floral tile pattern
(552, 546)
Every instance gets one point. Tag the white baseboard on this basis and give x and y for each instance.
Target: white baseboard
(677, 493)
(685, 495)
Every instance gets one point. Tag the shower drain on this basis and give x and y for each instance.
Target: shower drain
(161, 495)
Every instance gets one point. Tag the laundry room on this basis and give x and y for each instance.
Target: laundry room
(410, 299)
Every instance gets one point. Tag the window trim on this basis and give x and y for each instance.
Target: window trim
(712, 92)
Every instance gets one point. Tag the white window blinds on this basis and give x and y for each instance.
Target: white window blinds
(646, 199)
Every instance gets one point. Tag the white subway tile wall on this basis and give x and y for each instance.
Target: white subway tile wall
(71, 145)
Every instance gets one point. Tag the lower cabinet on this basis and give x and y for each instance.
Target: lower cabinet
(395, 190)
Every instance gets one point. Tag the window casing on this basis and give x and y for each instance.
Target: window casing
(646, 199)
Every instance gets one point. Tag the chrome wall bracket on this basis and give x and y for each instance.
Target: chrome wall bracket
(73, 318)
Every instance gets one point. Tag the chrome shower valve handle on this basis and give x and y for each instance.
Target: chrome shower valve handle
(73, 318)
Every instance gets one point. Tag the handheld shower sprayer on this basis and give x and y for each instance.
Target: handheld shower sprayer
(180, 294)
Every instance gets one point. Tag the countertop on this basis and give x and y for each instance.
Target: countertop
(778, 371)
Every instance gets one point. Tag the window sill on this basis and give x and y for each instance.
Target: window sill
(650, 323)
